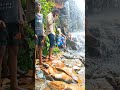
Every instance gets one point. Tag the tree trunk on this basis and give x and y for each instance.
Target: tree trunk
(30, 10)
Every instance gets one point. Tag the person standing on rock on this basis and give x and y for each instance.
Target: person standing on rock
(51, 18)
(11, 23)
(39, 31)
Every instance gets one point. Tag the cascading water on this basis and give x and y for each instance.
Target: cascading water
(77, 15)
(76, 24)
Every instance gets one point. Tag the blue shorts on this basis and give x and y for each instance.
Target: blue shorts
(60, 41)
(38, 41)
(52, 40)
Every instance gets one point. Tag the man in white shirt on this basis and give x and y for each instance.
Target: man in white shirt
(51, 18)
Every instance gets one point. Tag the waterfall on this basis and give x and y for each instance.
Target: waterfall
(73, 19)
(77, 15)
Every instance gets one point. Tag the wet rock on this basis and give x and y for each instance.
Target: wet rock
(30, 73)
(47, 88)
(6, 81)
(62, 70)
(58, 63)
(5, 87)
(72, 44)
(76, 87)
(62, 77)
(117, 80)
(48, 77)
(23, 81)
(76, 68)
(58, 85)
(40, 84)
(82, 71)
(98, 84)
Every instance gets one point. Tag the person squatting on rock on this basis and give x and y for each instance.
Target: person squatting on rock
(61, 38)
(10, 35)
(50, 20)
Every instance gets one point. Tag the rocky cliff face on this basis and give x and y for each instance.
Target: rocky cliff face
(94, 6)
(102, 73)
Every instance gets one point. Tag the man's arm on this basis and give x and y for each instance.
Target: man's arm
(2, 25)
(43, 31)
(21, 18)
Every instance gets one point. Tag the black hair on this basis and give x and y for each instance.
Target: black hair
(55, 11)
(59, 27)
(37, 2)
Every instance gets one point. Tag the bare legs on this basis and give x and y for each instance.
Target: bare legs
(38, 50)
(2, 52)
(40, 55)
(50, 53)
(52, 43)
(13, 51)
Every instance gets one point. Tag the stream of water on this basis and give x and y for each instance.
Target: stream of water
(76, 23)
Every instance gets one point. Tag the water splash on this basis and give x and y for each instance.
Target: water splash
(77, 24)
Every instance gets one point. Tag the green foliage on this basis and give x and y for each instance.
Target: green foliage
(23, 4)
(26, 52)
(46, 47)
(56, 50)
(47, 7)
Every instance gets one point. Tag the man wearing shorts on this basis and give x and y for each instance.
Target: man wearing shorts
(51, 17)
(39, 30)
(10, 19)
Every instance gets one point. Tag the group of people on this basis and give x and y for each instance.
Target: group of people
(11, 30)
(40, 33)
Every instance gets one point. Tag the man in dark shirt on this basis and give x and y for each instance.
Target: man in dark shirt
(10, 25)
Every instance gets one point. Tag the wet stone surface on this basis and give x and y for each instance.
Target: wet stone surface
(60, 74)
